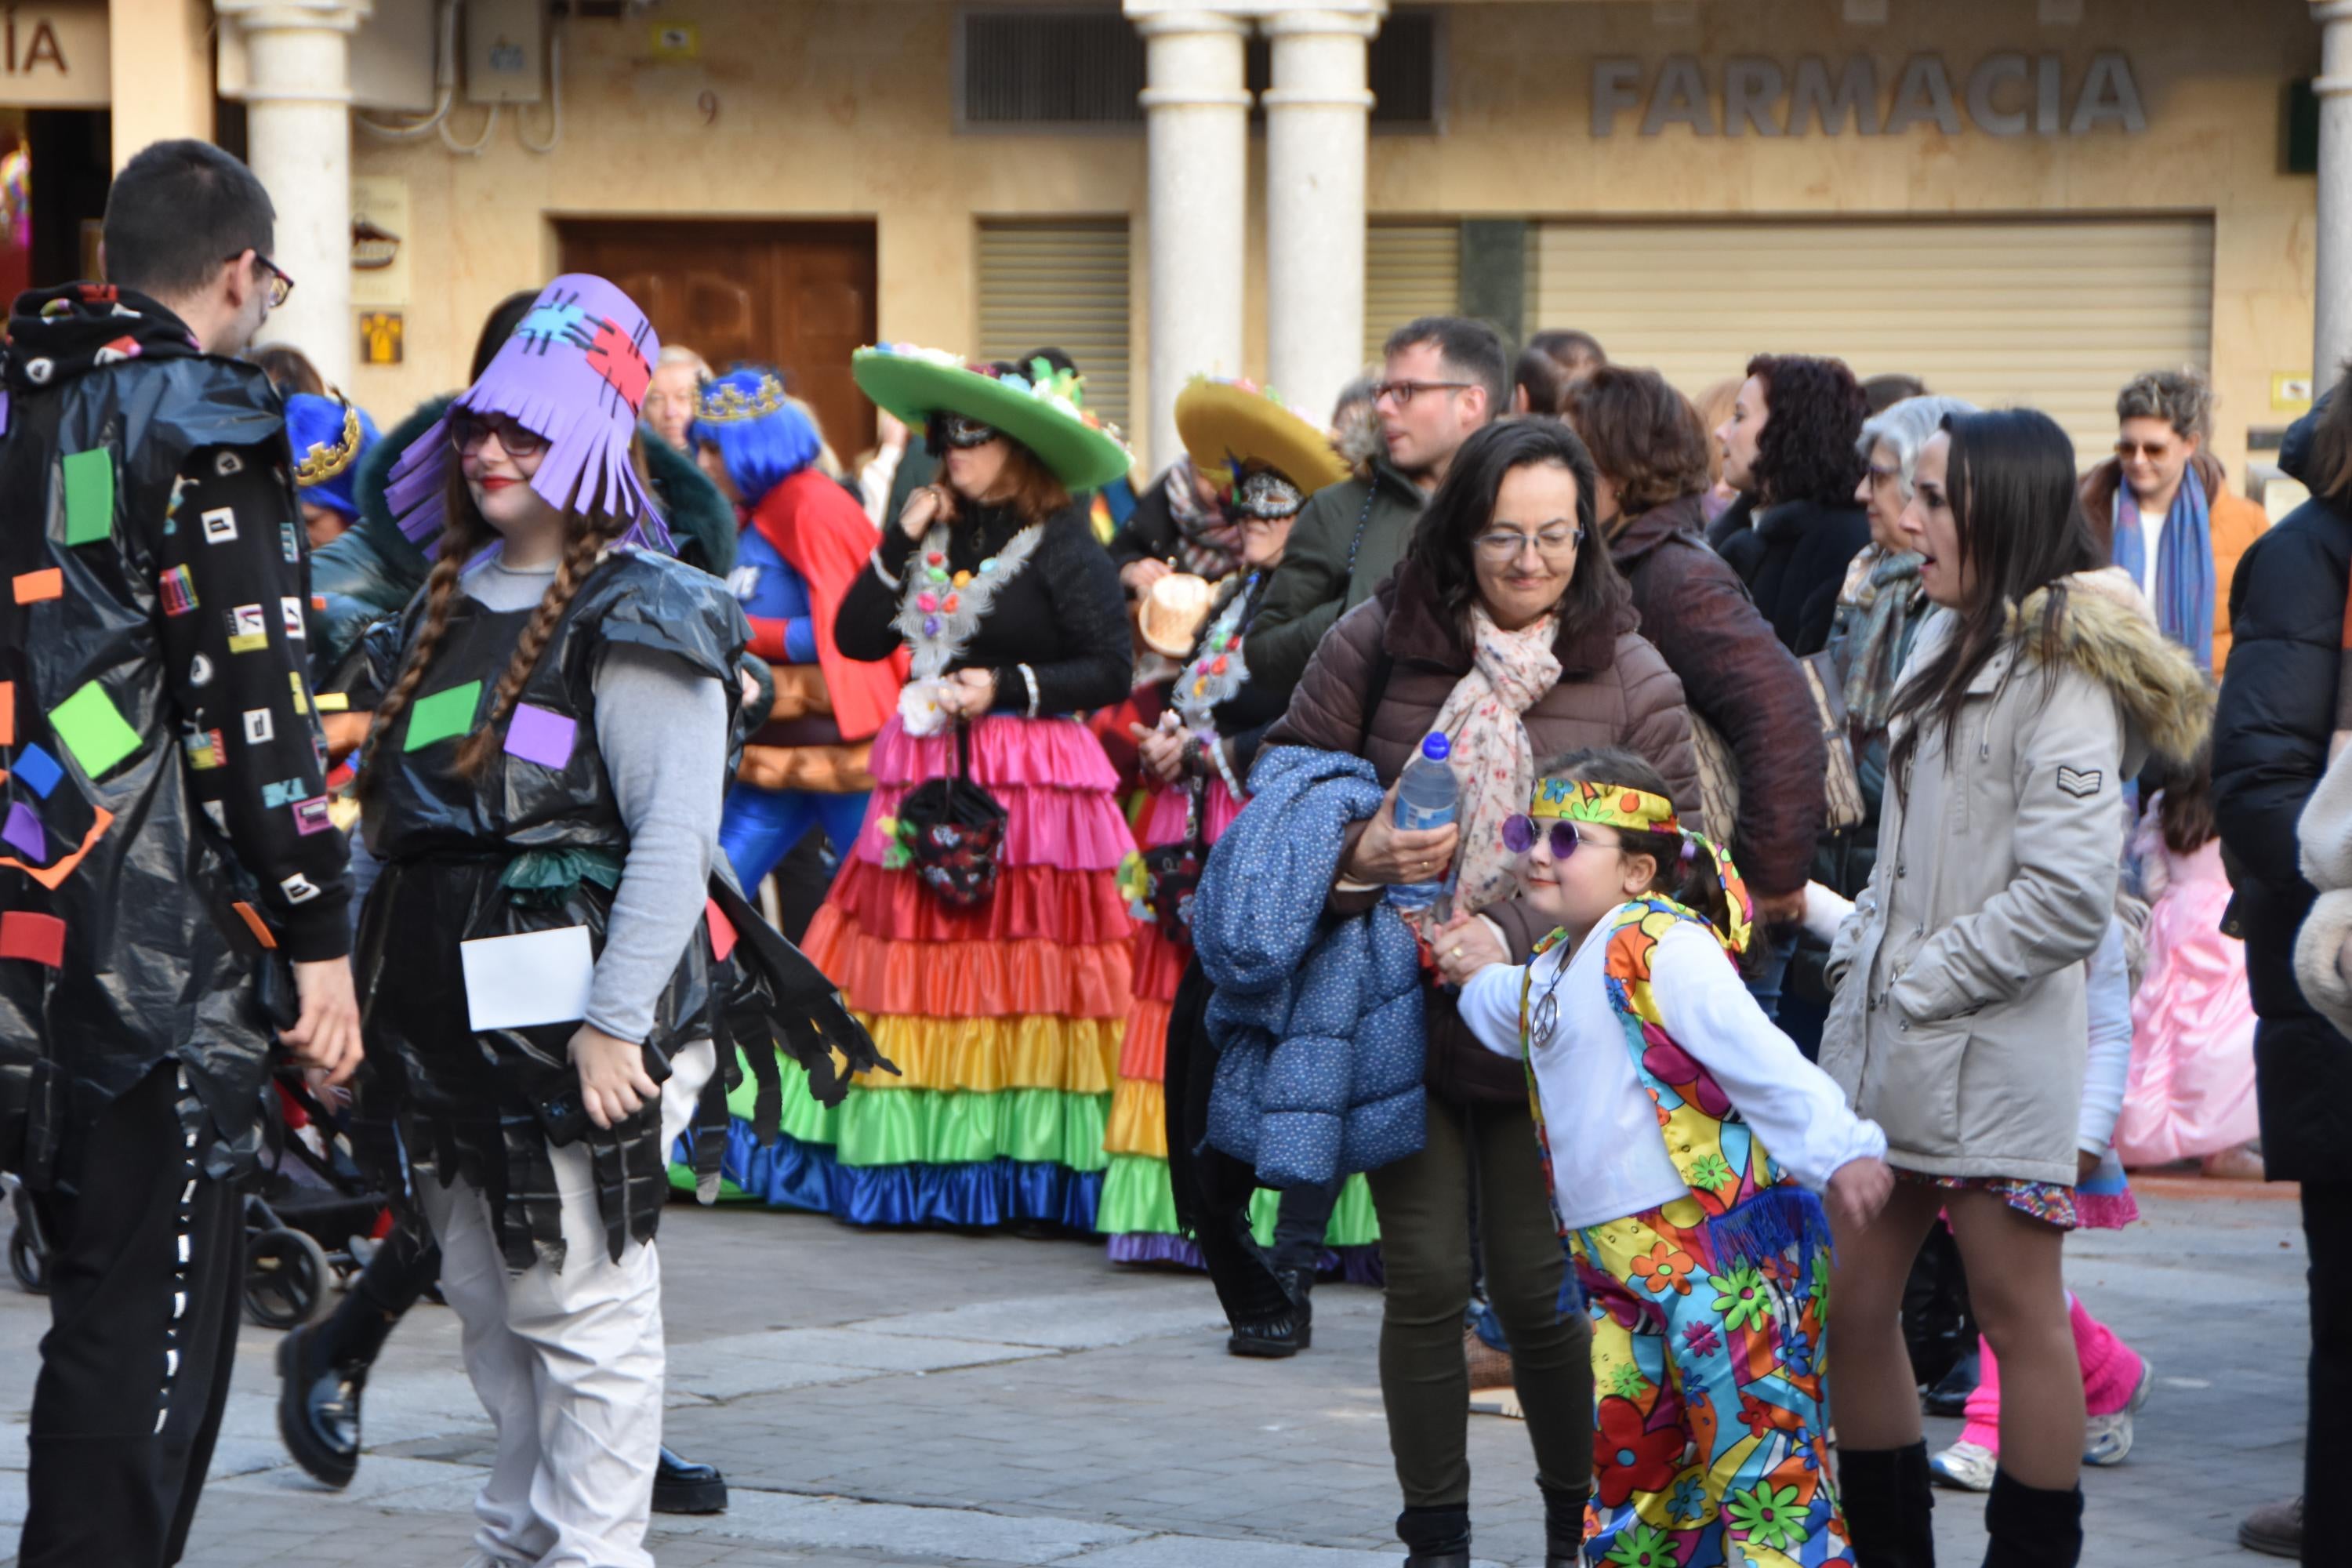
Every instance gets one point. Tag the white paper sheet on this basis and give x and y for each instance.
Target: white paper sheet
(539, 977)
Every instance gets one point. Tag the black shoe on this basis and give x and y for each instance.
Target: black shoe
(1284, 1335)
(318, 1409)
(1435, 1537)
(683, 1487)
(1950, 1397)
(1564, 1525)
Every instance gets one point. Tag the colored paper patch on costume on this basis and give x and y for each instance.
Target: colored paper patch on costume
(220, 524)
(291, 610)
(259, 727)
(444, 716)
(722, 930)
(297, 889)
(254, 923)
(334, 702)
(32, 587)
(7, 712)
(50, 876)
(24, 833)
(290, 539)
(310, 816)
(39, 770)
(285, 791)
(40, 938)
(90, 496)
(248, 629)
(204, 751)
(301, 698)
(521, 982)
(539, 735)
(93, 728)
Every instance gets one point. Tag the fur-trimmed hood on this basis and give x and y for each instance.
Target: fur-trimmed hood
(2106, 631)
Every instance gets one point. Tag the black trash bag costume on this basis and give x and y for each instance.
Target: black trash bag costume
(526, 847)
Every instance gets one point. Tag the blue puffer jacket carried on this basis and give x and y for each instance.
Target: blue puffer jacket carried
(1317, 1019)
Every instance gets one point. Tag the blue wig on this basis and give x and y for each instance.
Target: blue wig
(317, 425)
(761, 440)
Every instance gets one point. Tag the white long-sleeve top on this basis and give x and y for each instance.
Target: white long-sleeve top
(2106, 1065)
(1607, 1159)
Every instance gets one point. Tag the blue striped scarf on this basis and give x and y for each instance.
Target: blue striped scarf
(2184, 562)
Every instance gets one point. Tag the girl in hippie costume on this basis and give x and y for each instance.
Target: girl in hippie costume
(1195, 760)
(1685, 1139)
(977, 926)
(553, 972)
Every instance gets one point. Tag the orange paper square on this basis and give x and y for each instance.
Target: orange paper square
(254, 923)
(34, 587)
(7, 712)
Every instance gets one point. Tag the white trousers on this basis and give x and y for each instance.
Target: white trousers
(569, 1364)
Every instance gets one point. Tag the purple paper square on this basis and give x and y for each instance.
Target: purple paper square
(536, 735)
(25, 834)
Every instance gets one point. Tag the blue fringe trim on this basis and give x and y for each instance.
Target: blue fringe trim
(809, 1177)
(1769, 1224)
(1571, 1291)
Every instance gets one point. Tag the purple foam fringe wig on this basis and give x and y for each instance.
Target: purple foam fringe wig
(575, 373)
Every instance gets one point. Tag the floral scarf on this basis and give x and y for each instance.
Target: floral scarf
(1494, 761)
(1208, 544)
(1882, 590)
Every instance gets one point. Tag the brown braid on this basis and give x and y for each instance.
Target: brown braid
(590, 535)
(462, 536)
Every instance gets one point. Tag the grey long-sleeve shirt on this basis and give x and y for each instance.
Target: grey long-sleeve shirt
(663, 733)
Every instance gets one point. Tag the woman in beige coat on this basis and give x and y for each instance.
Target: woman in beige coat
(1959, 1025)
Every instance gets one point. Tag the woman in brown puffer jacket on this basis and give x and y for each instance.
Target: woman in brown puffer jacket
(1507, 626)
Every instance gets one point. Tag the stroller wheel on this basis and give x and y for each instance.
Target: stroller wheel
(26, 1262)
(286, 1278)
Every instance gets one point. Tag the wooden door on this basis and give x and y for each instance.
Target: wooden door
(799, 296)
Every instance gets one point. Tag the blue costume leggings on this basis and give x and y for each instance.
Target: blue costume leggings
(761, 825)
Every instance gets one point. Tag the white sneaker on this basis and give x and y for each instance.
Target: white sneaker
(1968, 1467)
(2107, 1440)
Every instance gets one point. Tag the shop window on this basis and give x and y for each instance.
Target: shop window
(1411, 270)
(1060, 283)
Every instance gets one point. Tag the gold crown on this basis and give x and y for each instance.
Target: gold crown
(323, 462)
(725, 404)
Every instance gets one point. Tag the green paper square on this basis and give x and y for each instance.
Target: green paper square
(90, 497)
(93, 730)
(443, 716)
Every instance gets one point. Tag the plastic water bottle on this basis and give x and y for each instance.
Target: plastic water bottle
(1426, 794)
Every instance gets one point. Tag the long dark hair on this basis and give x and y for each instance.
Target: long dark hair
(1463, 507)
(2184, 814)
(2010, 479)
(1806, 449)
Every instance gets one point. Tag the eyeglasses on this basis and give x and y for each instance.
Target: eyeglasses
(1881, 477)
(2155, 451)
(1519, 835)
(281, 285)
(469, 430)
(1404, 392)
(955, 430)
(1506, 544)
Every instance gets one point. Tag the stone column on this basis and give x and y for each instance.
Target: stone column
(1197, 108)
(159, 71)
(298, 139)
(1317, 115)
(2331, 336)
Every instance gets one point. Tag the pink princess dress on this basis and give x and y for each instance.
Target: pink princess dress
(2191, 1088)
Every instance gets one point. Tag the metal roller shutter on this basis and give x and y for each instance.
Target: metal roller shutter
(1410, 270)
(2055, 314)
(1060, 284)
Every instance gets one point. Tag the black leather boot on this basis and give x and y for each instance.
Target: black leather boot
(2031, 1527)
(319, 1408)
(1286, 1332)
(681, 1486)
(1888, 1506)
(1564, 1525)
(1435, 1537)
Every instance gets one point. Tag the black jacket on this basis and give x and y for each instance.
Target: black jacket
(2270, 747)
(1794, 557)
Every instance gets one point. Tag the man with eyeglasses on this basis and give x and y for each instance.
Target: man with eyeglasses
(173, 899)
(1445, 376)
(2163, 502)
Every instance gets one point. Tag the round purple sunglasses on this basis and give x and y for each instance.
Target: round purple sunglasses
(1519, 835)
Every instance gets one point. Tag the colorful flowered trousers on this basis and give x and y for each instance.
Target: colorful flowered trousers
(1710, 1424)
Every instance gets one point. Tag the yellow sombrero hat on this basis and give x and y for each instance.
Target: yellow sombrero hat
(1226, 422)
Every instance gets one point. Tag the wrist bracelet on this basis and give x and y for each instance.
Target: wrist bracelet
(1030, 676)
(881, 571)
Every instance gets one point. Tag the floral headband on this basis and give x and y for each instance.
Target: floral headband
(1639, 811)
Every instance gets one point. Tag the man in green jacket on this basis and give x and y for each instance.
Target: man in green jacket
(1446, 378)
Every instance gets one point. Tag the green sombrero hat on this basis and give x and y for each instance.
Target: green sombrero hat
(1232, 422)
(1039, 410)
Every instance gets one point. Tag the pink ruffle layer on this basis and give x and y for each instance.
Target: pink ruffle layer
(1005, 750)
(1163, 817)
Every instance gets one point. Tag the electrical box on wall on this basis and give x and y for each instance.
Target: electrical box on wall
(505, 46)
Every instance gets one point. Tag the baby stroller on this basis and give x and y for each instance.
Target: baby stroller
(311, 1219)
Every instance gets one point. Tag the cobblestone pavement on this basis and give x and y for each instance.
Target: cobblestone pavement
(932, 1399)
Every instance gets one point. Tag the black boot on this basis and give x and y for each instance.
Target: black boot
(1435, 1537)
(681, 1486)
(2031, 1527)
(1888, 1505)
(1564, 1525)
(1286, 1332)
(319, 1408)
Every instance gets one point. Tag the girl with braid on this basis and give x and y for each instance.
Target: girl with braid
(552, 973)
